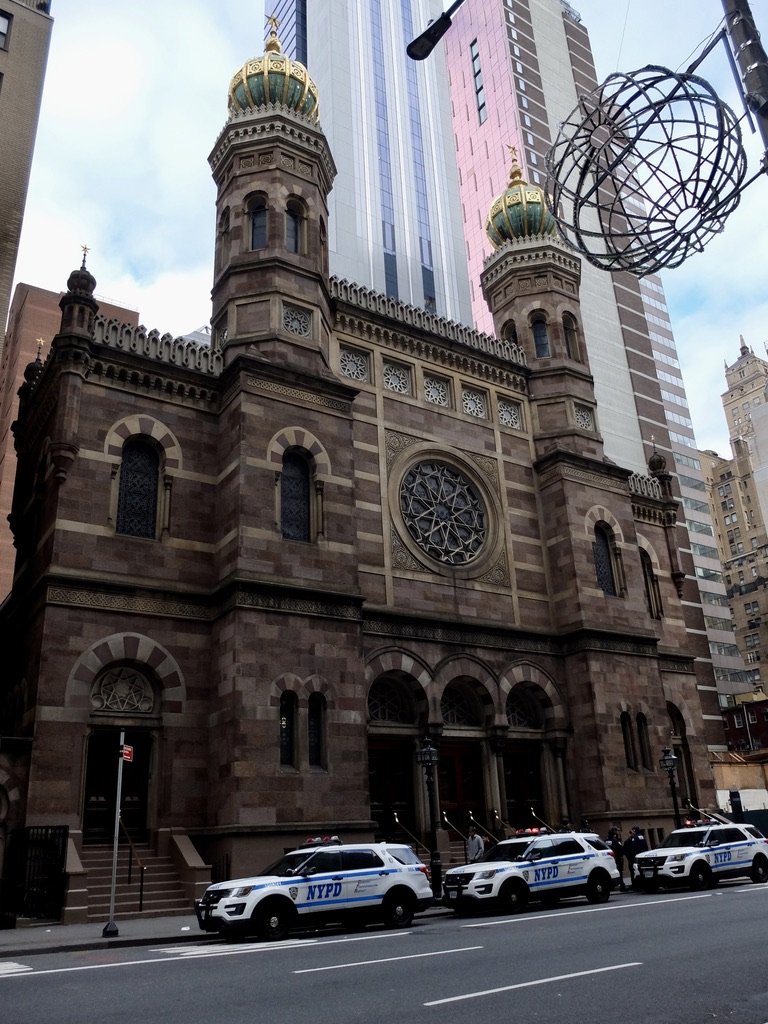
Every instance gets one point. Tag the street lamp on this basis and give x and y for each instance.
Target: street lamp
(427, 756)
(421, 47)
(668, 762)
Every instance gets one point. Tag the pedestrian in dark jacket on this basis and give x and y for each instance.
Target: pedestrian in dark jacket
(616, 845)
(635, 844)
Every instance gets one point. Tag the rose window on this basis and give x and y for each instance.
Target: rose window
(122, 689)
(353, 364)
(443, 512)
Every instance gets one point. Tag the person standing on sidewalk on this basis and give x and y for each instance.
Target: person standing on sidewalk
(616, 845)
(475, 846)
(635, 844)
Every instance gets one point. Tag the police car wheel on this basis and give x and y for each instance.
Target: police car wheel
(759, 872)
(398, 909)
(513, 896)
(272, 920)
(699, 878)
(598, 887)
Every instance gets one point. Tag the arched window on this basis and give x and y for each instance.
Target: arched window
(459, 707)
(509, 331)
(294, 222)
(630, 755)
(645, 745)
(522, 711)
(295, 518)
(387, 702)
(137, 495)
(570, 333)
(604, 566)
(316, 730)
(259, 223)
(288, 729)
(540, 335)
(651, 584)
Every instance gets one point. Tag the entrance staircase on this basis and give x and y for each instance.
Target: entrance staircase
(163, 893)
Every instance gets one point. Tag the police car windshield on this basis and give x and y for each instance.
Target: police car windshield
(688, 837)
(288, 864)
(510, 850)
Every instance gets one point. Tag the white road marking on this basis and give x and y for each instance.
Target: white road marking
(529, 984)
(549, 916)
(8, 967)
(179, 953)
(386, 960)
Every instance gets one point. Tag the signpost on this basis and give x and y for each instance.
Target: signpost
(125, 754)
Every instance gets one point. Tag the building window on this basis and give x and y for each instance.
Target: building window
(474, 403)
(510, 414)
(316, 730)
(354, 364)
(397, 378)
(288, 729)
(5, 30)
(571, 337)
(477, 76)
(259, 224)
(605, 569)
(294, 220)
(651, 584)
(645, 746)
(137, 495)
(437, 390)
(295, 497)
(630, 755)
(540, 336)
(459, 707)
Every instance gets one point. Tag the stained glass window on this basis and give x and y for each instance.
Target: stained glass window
(443, 512)
(294, 497)
(137, 497)
(601, 548)
(458, 708)
(287, 728)
(388, 703)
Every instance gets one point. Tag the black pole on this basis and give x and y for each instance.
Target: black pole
(675, 806)
(435, 864)
(751, 59)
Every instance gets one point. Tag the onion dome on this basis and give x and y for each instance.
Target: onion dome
(273, 79)
(657, 463)
(81, 282)
(520, 211)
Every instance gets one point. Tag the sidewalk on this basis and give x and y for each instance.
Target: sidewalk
(50, 937)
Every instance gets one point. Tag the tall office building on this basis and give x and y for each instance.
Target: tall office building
(516, 69)
(395, 225)
(25, 31)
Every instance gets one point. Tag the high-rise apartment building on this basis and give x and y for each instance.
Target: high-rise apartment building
(25, 31)
(395, 224)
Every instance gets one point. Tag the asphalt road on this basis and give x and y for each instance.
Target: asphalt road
(681, 958)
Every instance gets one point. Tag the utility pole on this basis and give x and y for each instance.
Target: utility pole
(752, 62)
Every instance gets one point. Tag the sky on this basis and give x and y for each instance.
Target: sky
(135, 96)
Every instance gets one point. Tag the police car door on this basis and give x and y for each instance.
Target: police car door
(321, 885)
(571, 859)
(365, 876)
(731, 851)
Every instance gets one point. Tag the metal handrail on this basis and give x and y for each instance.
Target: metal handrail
(142, 867)
(418, 842)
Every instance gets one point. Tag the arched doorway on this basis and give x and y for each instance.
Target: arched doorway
(392, 734)
(461, 782)
(523, 758)
(101, 782)
(686, 780)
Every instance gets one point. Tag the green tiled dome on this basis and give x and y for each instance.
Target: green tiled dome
(520, 211)
(273, 78)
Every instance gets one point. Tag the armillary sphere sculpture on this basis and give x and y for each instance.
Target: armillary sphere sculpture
(645, 170)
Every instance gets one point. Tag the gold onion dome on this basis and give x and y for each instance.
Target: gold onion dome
(520, 211)
(273, 79)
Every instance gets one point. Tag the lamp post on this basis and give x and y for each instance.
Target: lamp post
(668, 762)
(421, 47)
(427, 756)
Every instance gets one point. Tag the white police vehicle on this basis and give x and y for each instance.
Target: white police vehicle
(545, 867)
(700, 855)
(323, 880)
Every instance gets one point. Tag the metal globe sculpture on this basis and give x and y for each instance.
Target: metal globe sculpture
(645, 170)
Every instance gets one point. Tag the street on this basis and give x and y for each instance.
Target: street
(681, 958)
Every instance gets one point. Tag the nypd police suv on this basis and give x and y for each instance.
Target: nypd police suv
(700, 855)
(323, 880)
(545, 867)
